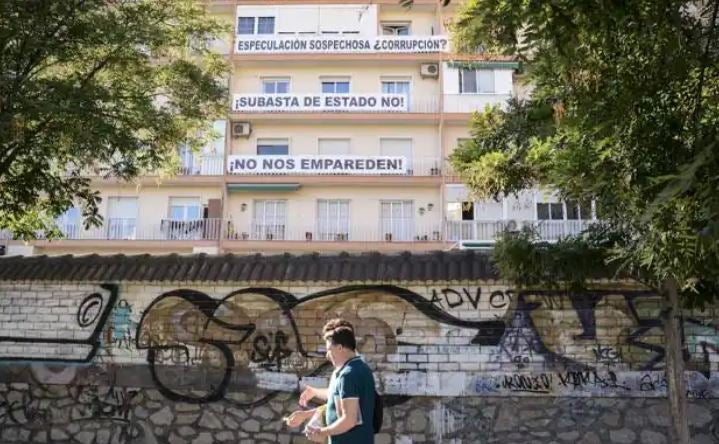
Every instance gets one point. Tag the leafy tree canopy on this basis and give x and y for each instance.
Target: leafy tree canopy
(624, 111)
(88, 84)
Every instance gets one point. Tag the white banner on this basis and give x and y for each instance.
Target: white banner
(279, 103)
(316, 165)
(278, 44)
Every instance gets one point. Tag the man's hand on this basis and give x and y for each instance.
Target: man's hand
(316, 434)
(307, 394)
(298, 417)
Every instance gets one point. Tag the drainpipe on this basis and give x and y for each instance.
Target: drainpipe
(440, 132)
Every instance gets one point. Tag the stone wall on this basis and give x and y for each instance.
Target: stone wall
(458, 361)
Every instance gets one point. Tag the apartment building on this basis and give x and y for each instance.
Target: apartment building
(340, 119)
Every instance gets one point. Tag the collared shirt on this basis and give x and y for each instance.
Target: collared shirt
(353, 380)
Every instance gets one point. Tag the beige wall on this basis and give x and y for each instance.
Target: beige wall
(364, 206)
(305, 77)
(422, 22)
(364, 139)
(154, 202)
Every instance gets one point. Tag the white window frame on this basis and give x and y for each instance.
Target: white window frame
(256, 24)
(265, 227)
(184, 202)
(406, 221)
(122, 227)
(276, 79)
(70, 224)
(272, 141)
(333, 230)
(336, 80)
(476, 79)
(321, 139)
(396, 25)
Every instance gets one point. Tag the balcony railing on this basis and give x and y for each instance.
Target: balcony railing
(468, 103)
(386, 231)
(328, 165)
(130, 229)
(205, 165)
(490, 230)
(333, 44)
(399, 231)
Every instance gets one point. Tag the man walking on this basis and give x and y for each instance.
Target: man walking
(350, 395)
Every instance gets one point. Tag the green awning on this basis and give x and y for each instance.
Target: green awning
(484, 64)
(260, 187)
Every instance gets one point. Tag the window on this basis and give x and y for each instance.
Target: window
(476, 81)
(397, 87)
(269, 220)
(570, 210)
(121, 217)
(185, 208)
(273, 147)
(188, 163)
(397, 220)
(185, 220)
(395, 28)
(276, 86)
(265, 25)
(336, 86)
(69, 223)
(246, 25)
(398, 148)
(550, 211)
(334, 146)
(333, 220)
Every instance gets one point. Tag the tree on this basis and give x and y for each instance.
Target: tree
(633, 90)
(110, 86)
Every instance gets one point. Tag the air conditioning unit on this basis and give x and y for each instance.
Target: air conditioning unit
(241, 129)
(429, 70)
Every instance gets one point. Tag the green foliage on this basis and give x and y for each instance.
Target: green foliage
(571, 263)
(107, 86)
(491, 162)
(635, 93)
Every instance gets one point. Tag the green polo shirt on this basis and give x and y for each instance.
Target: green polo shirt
(352, 380)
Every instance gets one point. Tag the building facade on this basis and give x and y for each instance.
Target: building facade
(340, 120)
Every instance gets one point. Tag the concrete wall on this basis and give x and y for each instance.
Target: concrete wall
(458, 362)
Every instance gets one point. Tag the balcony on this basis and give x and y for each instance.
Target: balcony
(128, 229)
(402, 231)
(204, 165)
(333, 165)
(336, 44)
(489, 230)
(469, 103)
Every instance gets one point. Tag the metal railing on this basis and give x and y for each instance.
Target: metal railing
(204, 165)
(490, 230)
(130, 229)
(468, 103)
(406, 231)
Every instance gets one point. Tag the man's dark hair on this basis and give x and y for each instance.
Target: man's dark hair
(343, 336)
(336, 323)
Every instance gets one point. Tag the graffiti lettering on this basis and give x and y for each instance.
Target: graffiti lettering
(454, 299)
(541, 383)
(270, 353)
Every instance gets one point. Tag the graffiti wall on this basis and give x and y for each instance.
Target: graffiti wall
(137, 362)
